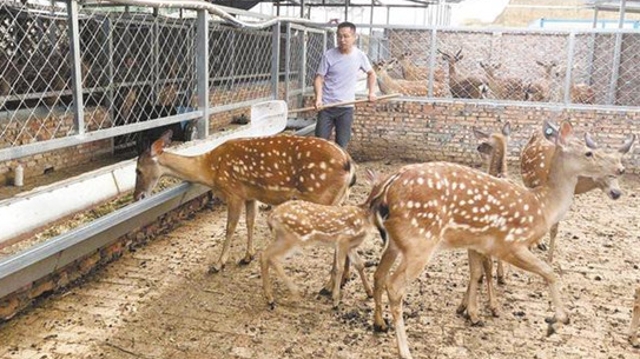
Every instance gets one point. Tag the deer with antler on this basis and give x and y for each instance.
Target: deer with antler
(412, 72)
(536, 155)
(461, 85)
(540, 88)
(271, 170)
(439, 205)
(535, 162)
(301, 223)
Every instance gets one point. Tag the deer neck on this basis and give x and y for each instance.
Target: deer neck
(188, 168)
(452, 69)
(557, 193)
(498, 162)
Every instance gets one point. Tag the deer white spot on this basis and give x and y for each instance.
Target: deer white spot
(462, 186)
(301, 179)
(526, 207)
(420, 180)
(414, 222)
(410, 204)
(323, 165)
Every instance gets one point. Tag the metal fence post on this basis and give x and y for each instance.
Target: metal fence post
(567, 78)
(432, 60)
(615, 69)
(76, 67)
(155, 30)
(275, 60)
(287, 63)
(303, 65)
(202, 65)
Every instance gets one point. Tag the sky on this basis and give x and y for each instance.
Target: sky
(483, 10)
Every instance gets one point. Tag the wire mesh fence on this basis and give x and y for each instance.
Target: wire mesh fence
(139, 69)
(560, 68)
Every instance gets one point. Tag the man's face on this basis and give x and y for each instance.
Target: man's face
(346, 39)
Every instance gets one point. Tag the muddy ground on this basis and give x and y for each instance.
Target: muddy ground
(159, 302)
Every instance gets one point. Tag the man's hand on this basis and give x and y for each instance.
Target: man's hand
(318, 103)
(372, 97)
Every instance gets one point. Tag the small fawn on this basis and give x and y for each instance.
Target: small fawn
(438, 205)
(301, 223)
(243, 171)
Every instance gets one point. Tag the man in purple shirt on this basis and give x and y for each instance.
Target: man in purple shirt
(335, 82)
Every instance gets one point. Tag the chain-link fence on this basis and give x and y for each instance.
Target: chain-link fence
(138, 71)
(560, 68)
(70, 75)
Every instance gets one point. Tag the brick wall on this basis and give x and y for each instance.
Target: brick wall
(427, 131)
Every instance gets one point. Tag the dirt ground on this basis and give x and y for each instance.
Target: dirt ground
(159, 302)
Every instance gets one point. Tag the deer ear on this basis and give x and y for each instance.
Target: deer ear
(506, 129)
(479, 134)
(566, 130)
(627, 144)
(589, 141)
(371, 176)
(158, 146)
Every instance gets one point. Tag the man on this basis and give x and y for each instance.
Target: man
(336, 80)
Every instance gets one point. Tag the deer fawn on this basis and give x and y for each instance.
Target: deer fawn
(535, 163)
(460, 85)
(271, 170)
(300, 223)
(494, 147)
(439, 205)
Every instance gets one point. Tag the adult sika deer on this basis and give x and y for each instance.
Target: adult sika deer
(243, 171)
(439, 205)
(535, 162)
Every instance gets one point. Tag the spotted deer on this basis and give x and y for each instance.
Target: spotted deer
(461, 85)
(579, 92)
(412, 72)
(540, 89)
(389, 85)
(243, 171)
(439, 205)
(503, 87)
(535, 163)
(635, 320)
(300, 223)
(494, 147)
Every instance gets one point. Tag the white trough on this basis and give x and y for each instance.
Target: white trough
(33, 210)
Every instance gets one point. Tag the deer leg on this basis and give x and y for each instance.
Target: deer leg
(470, 300)
(411, 265)
(379, 283)
(357, 262)
(341, 255)
(500, 273)
(272, 256)
(635, 320)
(487, 264)
(251, 207)
(553, 232)
(521, 257)
(234, 207)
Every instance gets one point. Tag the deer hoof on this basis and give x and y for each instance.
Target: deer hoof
(213, 269)
(501, 281)
(542, 246)
(245, 261)
(495, 312)
(634, 342)
(477, 323)
(461, 309)
(381, 328)
(272, 305)
(325, 292)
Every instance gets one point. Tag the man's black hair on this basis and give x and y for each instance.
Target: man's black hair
(348, 24)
